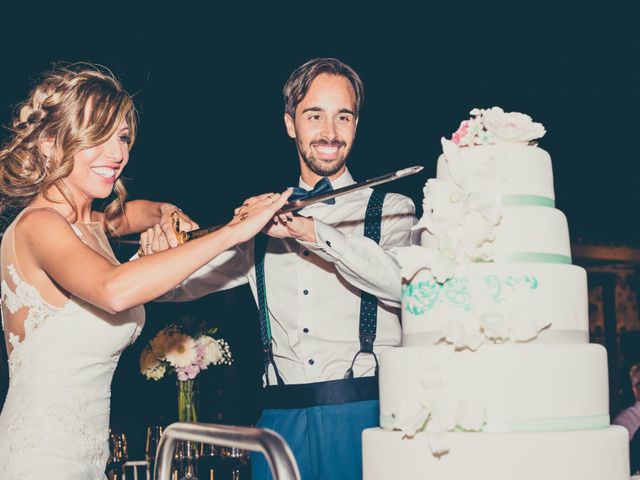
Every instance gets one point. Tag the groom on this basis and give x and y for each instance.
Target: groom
(326, 284)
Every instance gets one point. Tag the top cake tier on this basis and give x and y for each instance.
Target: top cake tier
(524, 173)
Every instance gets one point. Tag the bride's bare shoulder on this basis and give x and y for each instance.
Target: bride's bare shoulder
(43, 223)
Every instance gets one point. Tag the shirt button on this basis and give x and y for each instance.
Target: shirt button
(306, 292)
(305, 330)
(306, 253)
(311, 362)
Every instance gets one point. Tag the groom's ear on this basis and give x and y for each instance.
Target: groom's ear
(290, 124)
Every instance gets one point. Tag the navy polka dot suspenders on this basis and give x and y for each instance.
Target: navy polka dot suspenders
(368, 302)
(263, 310)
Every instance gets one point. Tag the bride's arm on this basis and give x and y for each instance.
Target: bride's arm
(140, 215)
(86, 274)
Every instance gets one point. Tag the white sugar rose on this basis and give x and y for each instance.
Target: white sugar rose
(410, 417)
(473, 174)
(495, 326)
(463, 331)
(413, 259)
(511, 126)
(527, 323)
(487, 205)
(473, 233)
(454, 161)
(471, 416)
(444, 200)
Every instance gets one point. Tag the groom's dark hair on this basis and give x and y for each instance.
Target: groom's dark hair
(300, 80)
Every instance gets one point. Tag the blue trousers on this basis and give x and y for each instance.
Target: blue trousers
(326, 440)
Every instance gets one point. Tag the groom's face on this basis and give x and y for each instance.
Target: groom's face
(325, 125)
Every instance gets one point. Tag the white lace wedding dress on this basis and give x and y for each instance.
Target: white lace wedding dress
(54, 424)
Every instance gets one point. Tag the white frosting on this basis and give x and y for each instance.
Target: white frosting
(585, 455)
(523, 229)
(555, 293)
(521, 386)
(531, 229)
(528, 169)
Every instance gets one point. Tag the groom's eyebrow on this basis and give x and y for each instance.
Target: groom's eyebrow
(313, 109)
(318, 109)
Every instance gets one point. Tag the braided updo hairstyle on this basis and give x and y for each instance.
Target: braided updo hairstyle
(77, 107)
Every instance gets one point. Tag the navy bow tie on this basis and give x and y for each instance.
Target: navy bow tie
(323, 186)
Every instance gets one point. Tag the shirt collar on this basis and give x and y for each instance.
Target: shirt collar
(342, 181)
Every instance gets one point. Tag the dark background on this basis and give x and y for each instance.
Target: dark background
(208, 84)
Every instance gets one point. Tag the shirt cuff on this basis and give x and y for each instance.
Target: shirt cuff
(330, 243)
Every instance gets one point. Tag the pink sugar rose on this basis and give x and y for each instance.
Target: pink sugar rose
(461, 132)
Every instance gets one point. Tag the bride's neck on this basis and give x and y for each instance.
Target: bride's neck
(54, 199)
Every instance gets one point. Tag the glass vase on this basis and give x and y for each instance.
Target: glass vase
(187, 401)
(186, 458)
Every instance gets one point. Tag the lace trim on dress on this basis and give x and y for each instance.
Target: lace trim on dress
(25, 295)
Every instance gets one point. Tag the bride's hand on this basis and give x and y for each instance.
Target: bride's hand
(256, 212)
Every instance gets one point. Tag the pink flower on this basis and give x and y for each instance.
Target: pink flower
(461, 132)
(187, 373)
(201, 360)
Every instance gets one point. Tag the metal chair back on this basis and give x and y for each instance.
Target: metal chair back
(278, 454)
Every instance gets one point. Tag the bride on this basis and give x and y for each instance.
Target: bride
(68, 307)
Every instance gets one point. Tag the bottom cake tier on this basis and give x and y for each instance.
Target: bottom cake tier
(599, 454)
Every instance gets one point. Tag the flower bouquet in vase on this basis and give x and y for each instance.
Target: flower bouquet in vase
(177, 350)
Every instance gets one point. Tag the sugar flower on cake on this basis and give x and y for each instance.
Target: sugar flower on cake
(184, 354)
(463, 331)
(489, 320)
(460, 215)
(494, 125)
(516, 325)
(435, 412)
(473, 175)
(512, 126)
(413, 259)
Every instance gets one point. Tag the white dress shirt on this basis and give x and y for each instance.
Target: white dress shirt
(313, 289)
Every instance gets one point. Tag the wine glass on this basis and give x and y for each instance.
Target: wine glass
(237, 463)
(209, 462)
(117, 454)
(185, 460)
(154, 433)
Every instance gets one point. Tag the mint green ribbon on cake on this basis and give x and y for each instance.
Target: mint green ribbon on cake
(533, 257)
(535, 200)
(531, 424)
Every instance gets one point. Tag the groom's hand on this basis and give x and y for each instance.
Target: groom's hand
(167, 222)
(288, 225)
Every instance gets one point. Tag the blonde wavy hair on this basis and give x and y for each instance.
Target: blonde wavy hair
(77, 106)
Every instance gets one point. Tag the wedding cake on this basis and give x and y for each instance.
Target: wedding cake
(496, 379)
